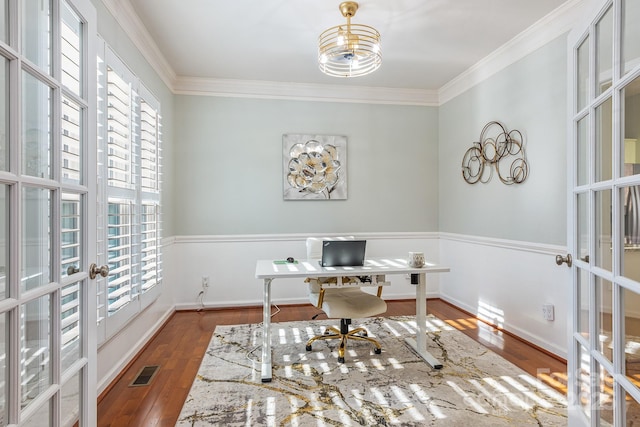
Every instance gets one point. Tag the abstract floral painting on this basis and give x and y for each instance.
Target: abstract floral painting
(314, 167)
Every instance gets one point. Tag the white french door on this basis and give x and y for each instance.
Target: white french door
(604, 353)
(47, 212)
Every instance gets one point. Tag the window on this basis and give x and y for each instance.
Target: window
(129, 166)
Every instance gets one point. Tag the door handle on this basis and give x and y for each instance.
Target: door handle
(564, 259)
(72, 269)
(94, 270)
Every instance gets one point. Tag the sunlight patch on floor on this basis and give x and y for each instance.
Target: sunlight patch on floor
(491, 314)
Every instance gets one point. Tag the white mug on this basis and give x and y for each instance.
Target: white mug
(416, 259)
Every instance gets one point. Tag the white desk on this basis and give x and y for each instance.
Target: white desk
(267, 270)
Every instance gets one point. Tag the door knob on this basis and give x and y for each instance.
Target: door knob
(566, 259)
(72, 269)
(94, 270)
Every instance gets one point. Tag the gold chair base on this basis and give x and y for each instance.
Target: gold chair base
(331, 333)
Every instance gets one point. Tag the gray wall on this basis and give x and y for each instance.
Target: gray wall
(223, 173)
(530, 95)
(229, 161)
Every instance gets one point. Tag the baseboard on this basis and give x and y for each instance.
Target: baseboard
(532, 340)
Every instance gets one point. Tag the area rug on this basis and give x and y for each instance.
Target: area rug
(475, 387)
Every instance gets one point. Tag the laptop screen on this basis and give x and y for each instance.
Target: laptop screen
(343, 253)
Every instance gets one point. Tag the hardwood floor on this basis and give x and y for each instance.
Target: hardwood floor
(179, 347)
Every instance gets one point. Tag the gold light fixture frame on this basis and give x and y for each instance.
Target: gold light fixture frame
(349, 50)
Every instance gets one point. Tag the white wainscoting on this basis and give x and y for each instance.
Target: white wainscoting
(229, 262)
(507, 282)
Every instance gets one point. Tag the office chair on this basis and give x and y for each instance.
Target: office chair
(344, 303)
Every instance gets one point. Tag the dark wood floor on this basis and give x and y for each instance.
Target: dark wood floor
(179, 347)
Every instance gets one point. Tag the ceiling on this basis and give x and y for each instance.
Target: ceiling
(425, 43)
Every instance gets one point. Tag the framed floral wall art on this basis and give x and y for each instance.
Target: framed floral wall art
(314, 167)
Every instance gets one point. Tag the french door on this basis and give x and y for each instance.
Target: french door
(604, 353)
(47, 212)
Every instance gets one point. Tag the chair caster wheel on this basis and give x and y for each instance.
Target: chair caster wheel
(377, 351)
(341, 359)
(308, 347)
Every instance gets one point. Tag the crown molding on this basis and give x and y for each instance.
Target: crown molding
(303, 91)
(553, 25)
(128, 18)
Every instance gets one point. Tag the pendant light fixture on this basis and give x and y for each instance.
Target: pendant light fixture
(349, 50)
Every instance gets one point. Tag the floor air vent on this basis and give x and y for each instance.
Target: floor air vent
(145, 376)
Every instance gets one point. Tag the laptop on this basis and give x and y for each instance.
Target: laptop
(343, 253)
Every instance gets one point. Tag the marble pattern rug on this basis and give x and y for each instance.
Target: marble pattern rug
(475, 387)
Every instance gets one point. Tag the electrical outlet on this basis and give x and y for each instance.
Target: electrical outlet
(548, 312)
(205, 281)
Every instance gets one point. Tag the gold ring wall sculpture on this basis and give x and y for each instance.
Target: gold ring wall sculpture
(503, 152)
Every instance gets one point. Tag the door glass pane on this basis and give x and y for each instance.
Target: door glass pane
(604, 141)
(71, 237)
(631, 221)
(71, 49)
(631, 409)
(631, 335)
(4, 22)
(583, 302)
(582, 76)
(36, 127)
(603, 220)
(583, 382)
(35, 340)
(71, 319)
(582, 151)
(604, 403)
(4, 349)
(36, 32)
(70, 401)
(630, 34)
(42, 418)
(71, 141)
(4, 240)
(631, 154)
(4, 113)
(604, 49)
(604, 305)
(582, 223)
(36, 238)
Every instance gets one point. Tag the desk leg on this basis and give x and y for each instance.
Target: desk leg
(419, 345)
(266, 332)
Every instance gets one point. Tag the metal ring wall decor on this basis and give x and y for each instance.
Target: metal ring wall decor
(504, 151)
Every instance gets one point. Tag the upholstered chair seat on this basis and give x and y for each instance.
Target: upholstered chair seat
(342, 302)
